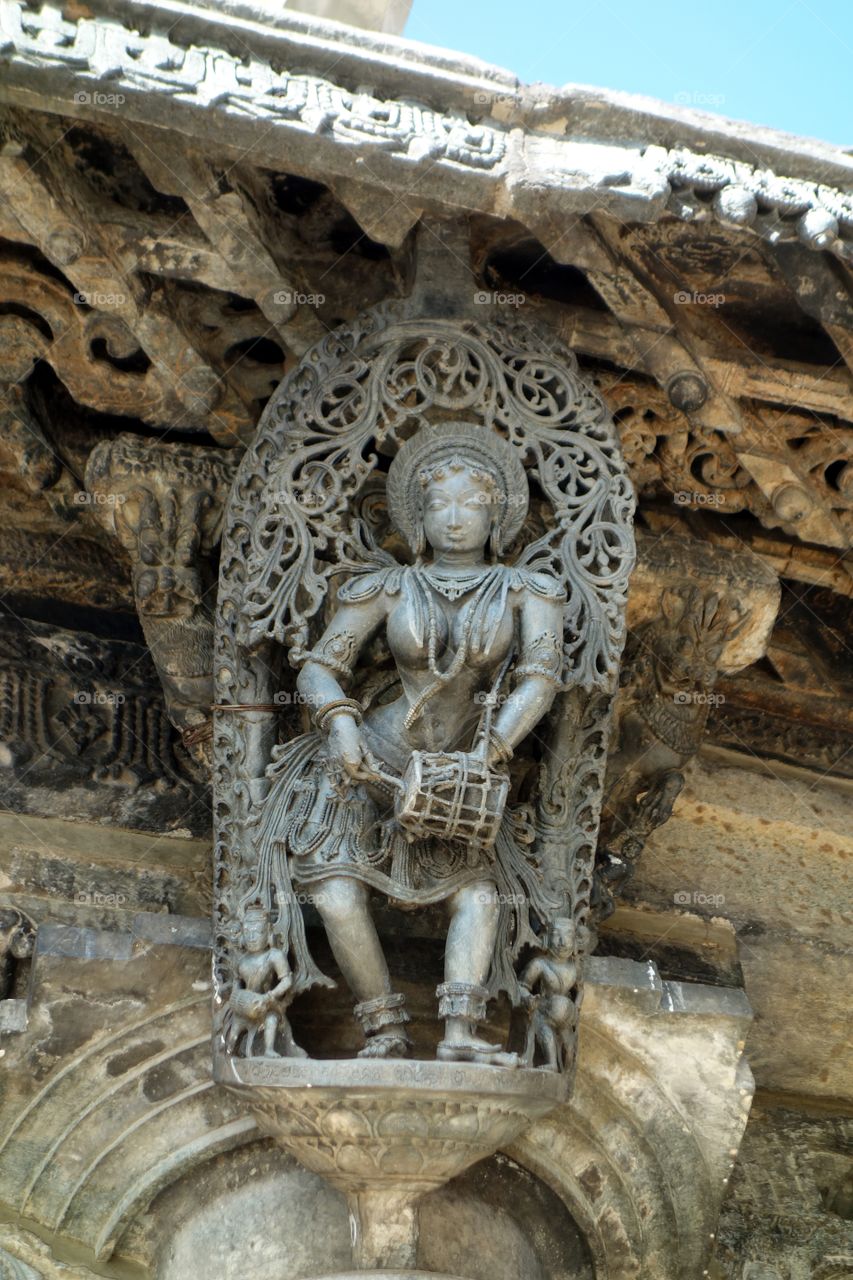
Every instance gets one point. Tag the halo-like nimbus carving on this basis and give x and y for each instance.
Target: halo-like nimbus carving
(354, 401)
(311, 503)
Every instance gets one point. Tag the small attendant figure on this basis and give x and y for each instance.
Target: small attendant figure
(252, 1005)
(548, 981)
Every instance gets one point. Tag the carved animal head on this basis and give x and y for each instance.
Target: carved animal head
(164, 504)
(689, 640)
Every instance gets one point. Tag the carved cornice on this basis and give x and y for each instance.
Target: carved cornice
(88, 67)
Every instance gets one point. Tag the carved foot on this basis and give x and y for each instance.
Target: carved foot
(383, 1021)
(293, 1050)
(476, 1050)
(387, 1046)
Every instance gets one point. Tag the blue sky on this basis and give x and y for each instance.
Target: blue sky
(785, 63)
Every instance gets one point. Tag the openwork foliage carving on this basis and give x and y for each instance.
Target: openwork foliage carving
(308, 514)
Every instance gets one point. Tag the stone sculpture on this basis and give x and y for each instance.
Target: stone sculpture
(17, 938)
(549, 980)
(253, 1004)
(669, 671)
(458, 688)
(409, 795)
(164, 503)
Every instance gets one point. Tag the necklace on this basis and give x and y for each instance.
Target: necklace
(482, 580)
(454, 585)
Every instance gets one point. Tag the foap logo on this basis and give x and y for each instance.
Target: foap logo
(96, 98)
(490, 698)
(293, 298)
(701, 697)
(697, 898)
(99, 898)
(699, 98)
(98, 698)
(684, 297)
(485, 98)
(308, 500)
(301, 898)
(293, 698)
(691, 498)
(503, 899)
(499, 298)
(92, 298)
(83, 499)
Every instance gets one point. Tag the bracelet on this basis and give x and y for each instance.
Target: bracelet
(324, 714)
(503, 748)
(535, 669)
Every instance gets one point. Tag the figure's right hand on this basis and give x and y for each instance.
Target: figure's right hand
(346, 744)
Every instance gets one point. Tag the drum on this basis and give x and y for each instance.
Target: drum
(249, 1005)
(453, 796)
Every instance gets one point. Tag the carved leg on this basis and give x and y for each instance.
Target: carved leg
(270, 1028)
(472, 932)
(462, 996)
(352, 935)
(234, 1028)
(548, 1044)
(342, 902)
(291, 1048)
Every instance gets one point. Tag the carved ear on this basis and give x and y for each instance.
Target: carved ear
(711, 613)
(22, 943)
(724, 621)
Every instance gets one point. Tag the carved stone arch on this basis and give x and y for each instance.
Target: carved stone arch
(323, 441)
(98, 1141)
(642, 1152)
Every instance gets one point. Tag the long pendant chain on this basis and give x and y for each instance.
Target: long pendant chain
(442, 678)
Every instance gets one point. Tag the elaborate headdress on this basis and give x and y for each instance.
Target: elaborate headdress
(482, 450)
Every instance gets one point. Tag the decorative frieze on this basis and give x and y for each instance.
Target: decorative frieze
(159, 81)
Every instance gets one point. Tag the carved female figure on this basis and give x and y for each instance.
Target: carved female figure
(478, 650)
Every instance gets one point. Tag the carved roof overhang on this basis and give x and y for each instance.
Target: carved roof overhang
(484, 143)
(632, 213)
(576, 167)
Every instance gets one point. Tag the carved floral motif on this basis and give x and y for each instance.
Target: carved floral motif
(371, 392)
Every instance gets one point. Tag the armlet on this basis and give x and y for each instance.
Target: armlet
(337, 652)
(542, 656)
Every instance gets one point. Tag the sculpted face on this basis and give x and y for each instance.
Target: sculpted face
(255, 933)
(458, 512)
